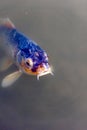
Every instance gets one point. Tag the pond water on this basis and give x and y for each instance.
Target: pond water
(56, 102)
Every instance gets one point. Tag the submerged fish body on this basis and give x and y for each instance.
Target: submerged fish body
(29, 57)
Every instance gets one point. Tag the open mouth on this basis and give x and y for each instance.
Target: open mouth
(44, 72)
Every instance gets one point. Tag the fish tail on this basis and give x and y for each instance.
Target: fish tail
(6, 22)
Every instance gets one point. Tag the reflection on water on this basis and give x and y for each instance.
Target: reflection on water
(55, 102)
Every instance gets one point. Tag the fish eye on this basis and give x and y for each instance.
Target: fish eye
(29, 62)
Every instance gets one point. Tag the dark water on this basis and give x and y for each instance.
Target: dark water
(56, 102)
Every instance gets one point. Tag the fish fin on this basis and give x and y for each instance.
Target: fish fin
(5, 64)
(6, 22)
(11, 78)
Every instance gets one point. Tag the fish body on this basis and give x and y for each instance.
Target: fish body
(25, 53)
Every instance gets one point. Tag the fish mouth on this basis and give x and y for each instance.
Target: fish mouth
(44, 71)
(41, 70)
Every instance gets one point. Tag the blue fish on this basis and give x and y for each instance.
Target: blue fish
(22, 51)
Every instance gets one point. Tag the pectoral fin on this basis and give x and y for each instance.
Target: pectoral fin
(11, 78)
(5, 64)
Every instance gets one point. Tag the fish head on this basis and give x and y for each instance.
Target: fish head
(36, 63)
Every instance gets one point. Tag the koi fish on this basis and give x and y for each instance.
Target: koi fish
(22, 51)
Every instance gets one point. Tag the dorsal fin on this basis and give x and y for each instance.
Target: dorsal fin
(6, 22)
